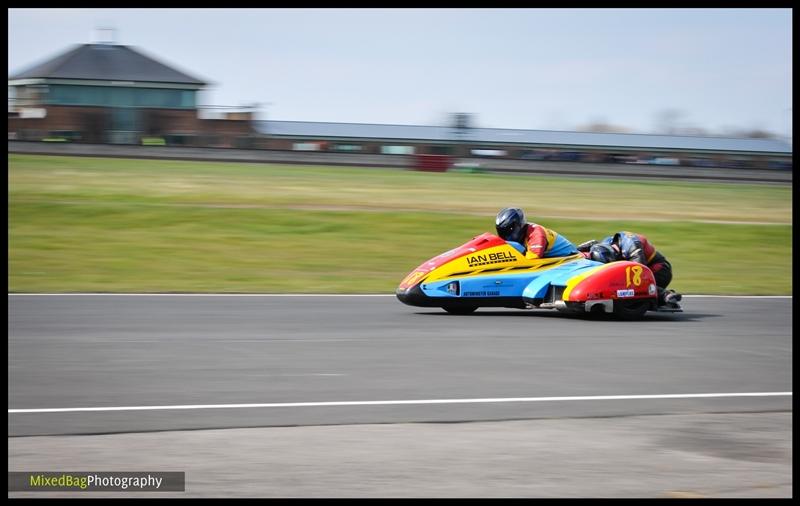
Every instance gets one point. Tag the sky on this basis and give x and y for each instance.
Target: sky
(551, 69)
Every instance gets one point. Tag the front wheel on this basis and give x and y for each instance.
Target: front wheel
(460, 309)
(631, 309)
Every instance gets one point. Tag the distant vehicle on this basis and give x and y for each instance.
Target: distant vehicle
(665, 161)
(489, 152)
(774, 164)
(568, 156)
(536, 155)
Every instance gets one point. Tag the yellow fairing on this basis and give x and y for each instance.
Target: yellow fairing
(502, 259)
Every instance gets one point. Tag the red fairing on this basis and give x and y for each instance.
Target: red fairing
(617, 280)
(481, 242)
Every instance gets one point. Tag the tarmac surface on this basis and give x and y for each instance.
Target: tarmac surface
(664, 456)
(531, 388)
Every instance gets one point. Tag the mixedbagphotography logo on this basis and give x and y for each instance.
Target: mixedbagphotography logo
(83, 481)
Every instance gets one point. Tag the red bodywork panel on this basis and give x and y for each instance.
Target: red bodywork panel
(483, 241)
(617, 280)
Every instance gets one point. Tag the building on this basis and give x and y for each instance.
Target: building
(110, 93)
(461, 142)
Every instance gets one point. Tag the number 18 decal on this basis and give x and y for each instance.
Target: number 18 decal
(637, 275)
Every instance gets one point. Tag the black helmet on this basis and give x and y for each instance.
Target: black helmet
(603, 253)
(510, 224)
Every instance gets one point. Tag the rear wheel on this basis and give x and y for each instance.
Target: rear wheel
(460, 309)
(631, 309)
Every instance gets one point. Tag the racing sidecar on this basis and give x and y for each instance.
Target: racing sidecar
(490, 272)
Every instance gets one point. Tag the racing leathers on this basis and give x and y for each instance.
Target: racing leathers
(541, 242)
(637, 248)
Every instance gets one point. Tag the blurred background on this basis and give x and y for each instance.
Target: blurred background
(675, 123)
(218, 77)
(265, 159)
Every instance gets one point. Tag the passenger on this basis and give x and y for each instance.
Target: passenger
(635, 248)
(538, 241)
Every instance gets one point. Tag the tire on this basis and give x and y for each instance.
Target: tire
(460, 309)
(631, 309)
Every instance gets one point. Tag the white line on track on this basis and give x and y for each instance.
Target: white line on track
(307, 295)
(387, 403)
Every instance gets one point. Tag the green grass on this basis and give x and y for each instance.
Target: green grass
(118, 225)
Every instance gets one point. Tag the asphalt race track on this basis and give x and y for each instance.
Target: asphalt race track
(205, 353)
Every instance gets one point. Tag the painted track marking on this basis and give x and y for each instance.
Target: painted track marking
(387, 403)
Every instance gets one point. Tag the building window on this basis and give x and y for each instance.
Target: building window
(305, 146)
(108, 96)
(346, 147)
(397, 150)
(122, 97)
(187, 99)
(488, 152)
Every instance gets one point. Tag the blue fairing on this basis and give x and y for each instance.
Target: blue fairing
(561, 248)
(517, 246)
(529, 284)
(558, 276)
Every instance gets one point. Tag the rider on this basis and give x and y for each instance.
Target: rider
(635, 248)
(540, 242)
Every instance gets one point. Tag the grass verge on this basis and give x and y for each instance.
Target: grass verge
(111, 225)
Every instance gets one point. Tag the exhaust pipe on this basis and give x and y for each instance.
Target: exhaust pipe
(606, 305)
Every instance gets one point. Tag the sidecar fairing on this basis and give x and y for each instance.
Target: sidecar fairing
(490, 272)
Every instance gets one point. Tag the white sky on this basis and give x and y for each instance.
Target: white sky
(553, 69)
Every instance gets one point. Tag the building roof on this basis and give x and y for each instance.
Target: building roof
(106, 62)
(409, 133)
